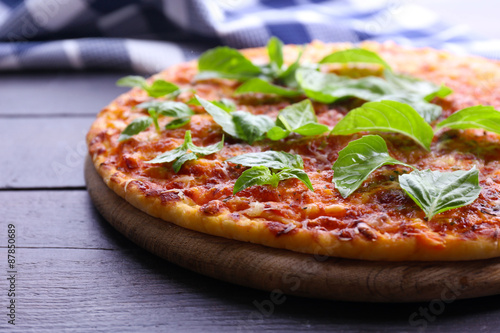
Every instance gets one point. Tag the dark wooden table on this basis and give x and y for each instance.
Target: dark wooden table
(75, 273)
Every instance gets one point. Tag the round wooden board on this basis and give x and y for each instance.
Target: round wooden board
(283, 271)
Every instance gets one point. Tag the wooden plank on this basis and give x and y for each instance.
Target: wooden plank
(63, 93)
(58, 219)
(43, 152)
(62, 290)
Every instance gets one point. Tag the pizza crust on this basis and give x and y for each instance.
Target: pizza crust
(364, 240)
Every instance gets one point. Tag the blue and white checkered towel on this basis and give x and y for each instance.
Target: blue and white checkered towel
(146, 36)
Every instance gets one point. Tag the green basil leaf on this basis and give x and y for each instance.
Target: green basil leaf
(136, 126)
(358, 160)
(221, 117)
(410, 85)
(272, 159)
(481, 117)
(277, 133)
(225, 62)
(161, 88)
(181, 154)
(288, 75)
(154, 116)
(436, 192)
(225, 104)
(386, 116)
(353, 56)
(207, 150)
(258, 175)
(193, 101)
(177, 123)
(311, 129)
(296, 173)
(181, 160)
(257, 85)
(169, 156)
(168, 108)
(251, 127)
(132, 81)
(441, 93)
(275, 52)
(300, 118)
(426, 110)
(327, 88)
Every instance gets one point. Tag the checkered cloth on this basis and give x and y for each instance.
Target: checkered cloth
(145, 36)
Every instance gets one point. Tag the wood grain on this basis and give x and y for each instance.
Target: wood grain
(63, 93)
(294, 273)
(48, 152)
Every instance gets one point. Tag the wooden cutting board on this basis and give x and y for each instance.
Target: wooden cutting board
(281, 271)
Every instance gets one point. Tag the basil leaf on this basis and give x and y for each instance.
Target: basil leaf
(410, 85)
(327, 88)
(156, 89)
(353, 56)
(136, 126)
(257, 85)
(288, 75)
(426, 110)
(181, 160)
(277, 133)
(207, 150)
(168, 108)
(386, 116)
(169, 156)
(358, 160)
(300, 118)
(161, 88)
(177, 123)
(181, 154)
(132, 81)
(482, 117)
(251, 127)
(271, 159)
(296, 173)
(261, 175)
(154, 116)
(441, 93)
(221, 117)
(436, 192)
(258, 175)
(225, 104)
(225, 62)
(275, 52)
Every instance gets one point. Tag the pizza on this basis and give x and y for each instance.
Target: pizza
(371, 152)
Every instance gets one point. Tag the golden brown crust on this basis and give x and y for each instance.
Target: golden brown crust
(378, 222)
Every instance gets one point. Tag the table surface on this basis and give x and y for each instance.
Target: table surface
(75, 273)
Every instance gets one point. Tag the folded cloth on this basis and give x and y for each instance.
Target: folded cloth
(145, 36)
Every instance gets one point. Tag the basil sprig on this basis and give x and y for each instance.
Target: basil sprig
(157, 89)
(228, 63)
(186, 152)
(299, 118)
(358, 160)
(436, 192)
(177, 110)
(182, 112)
(239, 124)
(269, 168)
(386, 116)
(480, 117)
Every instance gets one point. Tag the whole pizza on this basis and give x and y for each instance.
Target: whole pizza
(370, 151)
